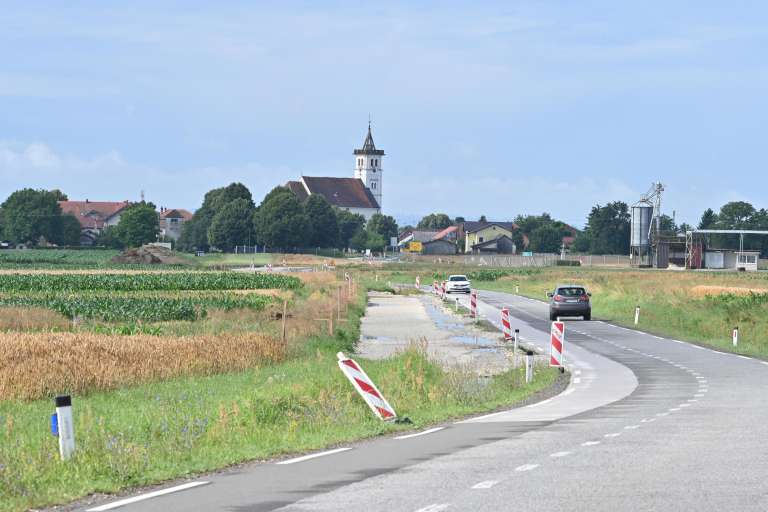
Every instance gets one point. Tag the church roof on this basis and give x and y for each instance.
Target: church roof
(339, 192)
(369, 148)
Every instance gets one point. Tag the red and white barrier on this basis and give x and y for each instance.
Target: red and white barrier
(366, 388)
(557, 345)
(434, 287)
(473, 304)
(506, 327)
(418, 282)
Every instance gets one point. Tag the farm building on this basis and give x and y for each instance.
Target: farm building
(440, 247)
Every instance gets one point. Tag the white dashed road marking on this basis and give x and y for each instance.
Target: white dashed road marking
(559, 454)
(423, 433)
(313, 456)
(526, 467)
(485, 485)
(590, 443)
(142, 497)
(435, 507)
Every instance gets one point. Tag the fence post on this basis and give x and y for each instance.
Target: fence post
(285, 313)
(528, 367)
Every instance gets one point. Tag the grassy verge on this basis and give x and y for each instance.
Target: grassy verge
(156, 431)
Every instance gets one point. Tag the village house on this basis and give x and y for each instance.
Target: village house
(94, 216)
(171, 222)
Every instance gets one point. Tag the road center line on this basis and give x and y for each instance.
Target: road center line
(615, 434)
(590, 443)
(526, 467)
(142, 497)
(435, 507)
(422, 433)
(559, 454)
(312, 456)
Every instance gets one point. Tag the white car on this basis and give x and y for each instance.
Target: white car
(458, 284)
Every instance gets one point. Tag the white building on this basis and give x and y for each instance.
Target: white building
(361, 194)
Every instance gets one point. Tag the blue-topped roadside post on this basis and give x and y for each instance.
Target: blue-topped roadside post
(65, 428)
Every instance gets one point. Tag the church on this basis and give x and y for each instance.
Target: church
(361, 194)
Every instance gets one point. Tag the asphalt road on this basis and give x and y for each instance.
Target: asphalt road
(646, 424)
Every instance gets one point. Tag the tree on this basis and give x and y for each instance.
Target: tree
(359, 239)
(280, 222)
(708, 219)
(231, 225)
(349, 224)
(194, 233)
(110, 238)
(435, 221)
(31, 214)
(59, 195)
(736, 215)
(482, 219)
(69, 230)
(383, 225)
(458, 220)
(139, 225)
(608, 228)
(323, 223)
(546, 238)
(667, 224)
(684, 228)
(375, 242)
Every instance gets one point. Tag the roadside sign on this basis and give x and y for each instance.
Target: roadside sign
(366, 388)
(393, 241)
(557, 345)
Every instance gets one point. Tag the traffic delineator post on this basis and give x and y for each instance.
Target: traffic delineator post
(557, 344)
(366, 388)
(63, 426)
(473, 304)
(418, 282)
(735, 336)
(637, 315)
(506, 327)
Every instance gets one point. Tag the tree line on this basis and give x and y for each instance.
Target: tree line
(229, 217)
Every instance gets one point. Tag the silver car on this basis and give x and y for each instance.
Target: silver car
(570, 300)
(457, 284)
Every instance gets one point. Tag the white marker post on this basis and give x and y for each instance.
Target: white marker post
(528, 367)
(514, 351)
(65, 426)
(637, 314)
(735, 336)
(517, 290)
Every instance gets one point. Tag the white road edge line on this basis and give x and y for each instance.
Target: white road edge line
(485, 485)
(142, 497)
(422, 433)
(312, 456)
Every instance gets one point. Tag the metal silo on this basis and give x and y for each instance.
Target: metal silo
(642, 216)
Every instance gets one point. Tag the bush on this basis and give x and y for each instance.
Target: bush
(568, 263)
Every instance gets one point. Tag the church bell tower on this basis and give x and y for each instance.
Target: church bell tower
(368, 165)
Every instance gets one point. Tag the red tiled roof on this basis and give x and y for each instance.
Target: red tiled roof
(444, 233)
(298, 189)
(92, 214)
(176, 213)
(341, 192)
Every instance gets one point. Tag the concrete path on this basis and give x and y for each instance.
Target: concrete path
(395, 323)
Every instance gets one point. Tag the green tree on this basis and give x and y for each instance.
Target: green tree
(383, 225)
(59, 195)
(324, 226)
(458, 220)
(375, 242)
(349, 224)
(139, 225)
(608, 228)
(708, 219)
(110, 238)
(194, 233)
(281, 223)
(69, 230)
(30, 215)
(435, 221)
(359, 240)
(736, 215)
(482, 219)
(546, 238)
(231, 225)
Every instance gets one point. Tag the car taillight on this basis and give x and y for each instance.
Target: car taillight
(558, 298)
(584, 298)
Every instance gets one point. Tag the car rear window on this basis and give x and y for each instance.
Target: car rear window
(571, 291)
(457, 278)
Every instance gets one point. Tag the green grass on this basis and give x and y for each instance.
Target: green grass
(149, 433)
(215, 260)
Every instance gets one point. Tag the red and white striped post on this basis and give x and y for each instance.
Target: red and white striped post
(434, 287)
(506, 327)
(366, 388)
(442, 290)
(418, 282)
(557, 345)
(735, 336)
(473, 304)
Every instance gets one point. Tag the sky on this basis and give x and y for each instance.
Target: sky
(483, 108)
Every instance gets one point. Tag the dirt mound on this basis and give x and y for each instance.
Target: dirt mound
(148, 255)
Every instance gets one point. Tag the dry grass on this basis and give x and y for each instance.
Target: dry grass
(37, 365)
(32, 319)
(704, 291)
